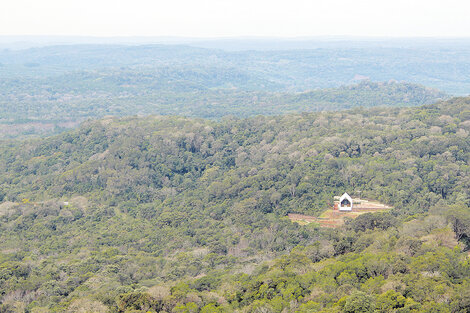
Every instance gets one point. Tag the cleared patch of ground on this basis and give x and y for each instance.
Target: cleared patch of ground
(333, 218)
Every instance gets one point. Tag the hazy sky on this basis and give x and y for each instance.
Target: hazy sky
(215, 18)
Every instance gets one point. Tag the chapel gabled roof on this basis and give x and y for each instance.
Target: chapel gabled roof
(345, 196)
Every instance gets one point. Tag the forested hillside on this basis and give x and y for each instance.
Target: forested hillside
(48, 105)
(175, 214)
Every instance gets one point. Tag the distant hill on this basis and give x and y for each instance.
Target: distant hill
(48, 89)
(45, 106)
(441, 65)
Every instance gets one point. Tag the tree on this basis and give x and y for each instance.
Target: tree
(359, 302)
(459, 216)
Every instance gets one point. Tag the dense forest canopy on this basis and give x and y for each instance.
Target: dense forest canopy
(176, 214)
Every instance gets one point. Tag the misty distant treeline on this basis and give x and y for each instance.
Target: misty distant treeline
(439, 66)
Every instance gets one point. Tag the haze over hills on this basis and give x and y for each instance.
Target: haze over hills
(45, 90)
(258, 43)
(295, 70)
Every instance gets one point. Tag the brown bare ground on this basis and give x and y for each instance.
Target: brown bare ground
(333, 218)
